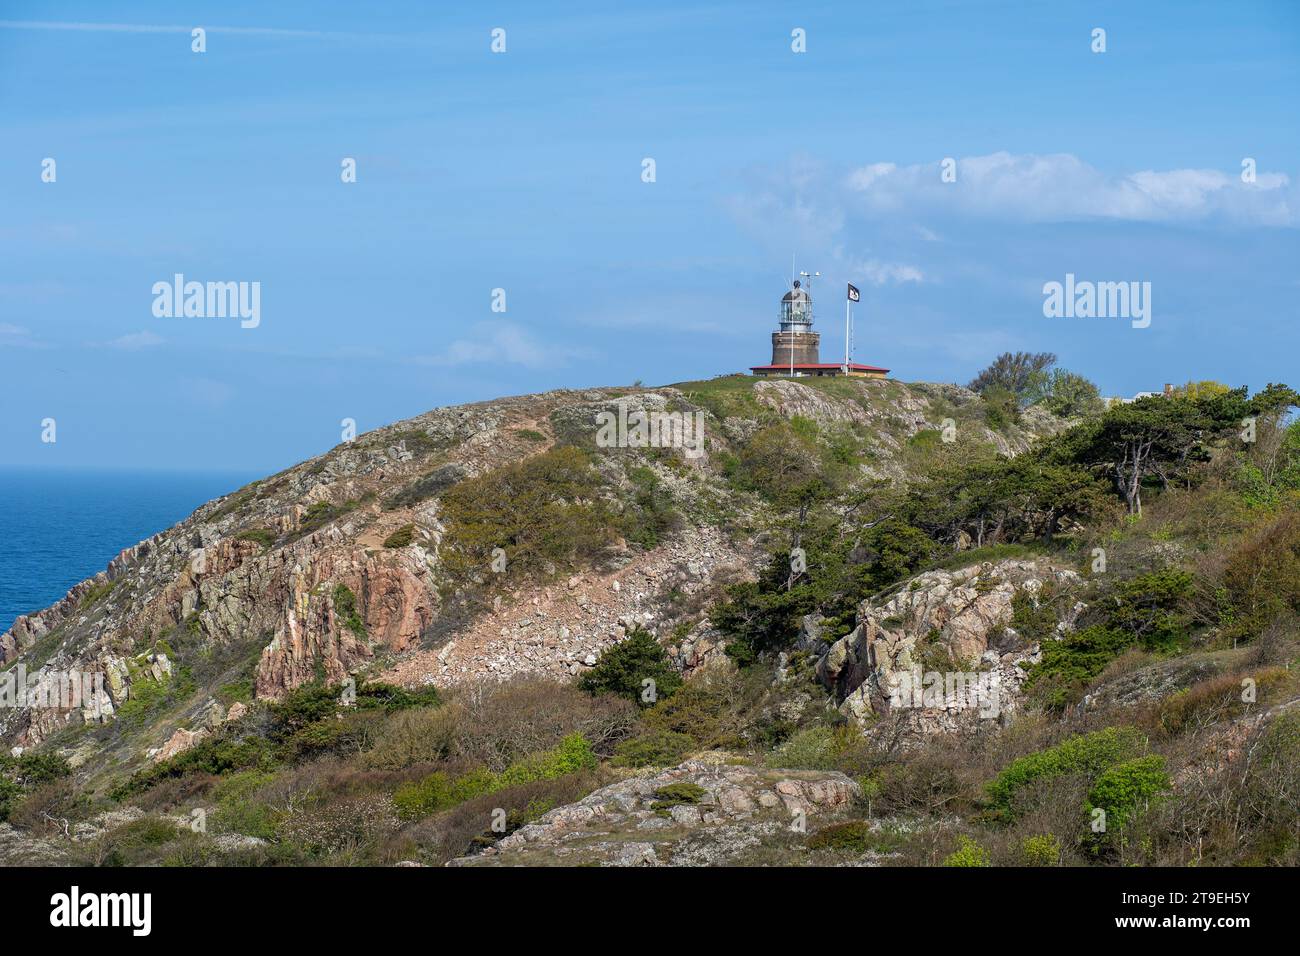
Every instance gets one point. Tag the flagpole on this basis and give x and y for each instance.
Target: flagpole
(848, 305)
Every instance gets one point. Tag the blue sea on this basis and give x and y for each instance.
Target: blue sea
(58, 527)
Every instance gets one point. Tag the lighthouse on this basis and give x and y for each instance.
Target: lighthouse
(796, 348)
(795, 341)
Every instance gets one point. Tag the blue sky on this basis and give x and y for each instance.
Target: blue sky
(522, 171)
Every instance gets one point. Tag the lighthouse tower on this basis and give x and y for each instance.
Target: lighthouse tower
(796, 332)
(796, 348)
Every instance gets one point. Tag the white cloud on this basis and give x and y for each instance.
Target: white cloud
(88, 27)
(504, 345)
(1062, 188)
(884, 273)
(18, 337)
(136, 340)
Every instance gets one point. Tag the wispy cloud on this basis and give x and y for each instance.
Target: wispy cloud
(90, 27)
(505, 345)
(18, 337)
(1061, 187)
(135, 341)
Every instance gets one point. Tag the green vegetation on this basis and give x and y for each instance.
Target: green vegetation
(400, 538)
(96, 593)
(637, 668)
(345, 607)
(1041, 850)
(417, 441)
(1089, 755)
(1182, 639)
(440, 791)
(968, 853)
(21, 775)
(1126, 790)
(545, 513)
(263, 536)
(677, 795)
(425, 487)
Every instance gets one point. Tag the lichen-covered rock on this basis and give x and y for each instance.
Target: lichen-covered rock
(637, 822)
(938, 650)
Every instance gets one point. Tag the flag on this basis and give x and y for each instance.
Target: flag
(854, 294)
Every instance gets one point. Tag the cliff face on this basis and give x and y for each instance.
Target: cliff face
(337, 566)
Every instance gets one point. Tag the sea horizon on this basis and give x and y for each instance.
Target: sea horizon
(62, 524)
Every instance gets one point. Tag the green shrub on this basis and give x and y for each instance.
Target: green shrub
(653, 748)
(1068, 664)
(22, 774)
(1089, 754)
(1125, 791)
(238, 809)
(546, 512)
(216, 755)
(439, 791)
(425, 487)
(681, 794)
(96, 593)
(814, 748)
(345, 608)
(1042, 850)
(1153, 607)
(968, 853)
(263, 536)
(624, 668)
(418, 441)
(855, 836)
(321, 513)
(400, 538)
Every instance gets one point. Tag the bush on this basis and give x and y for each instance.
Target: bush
(414, 737)
(1154, 608)
(968, 853)
(425, 487)
(345, 609)
(815, 748)
(1125, 791)
(1088, 755)
(625, 668)
(1043, 850)
(1072, 396)
(1068, 664)
(546, 512)
(682, 794)
(853, 837)
(653, 748)
(216, 755)
(1261, 577)
(440, 791)
(263, 536)
(96, 593)
(238, 808)
(22, 774)
(400, 538)
(504, 724)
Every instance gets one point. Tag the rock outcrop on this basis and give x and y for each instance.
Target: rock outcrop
(939, 649)
(643, 821)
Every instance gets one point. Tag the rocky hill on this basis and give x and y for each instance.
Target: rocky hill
(252, 583)
(463, 637)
